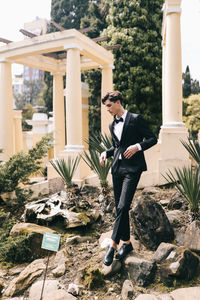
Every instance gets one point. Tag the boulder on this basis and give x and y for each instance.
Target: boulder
(150, 223)
(60, 263)
(21, 228)
(192, 236)
(59, 295)
(127, 290)
(114, 268)
(25, 278)
(36, 288)
(180, 264)
(36, 238)
(163, 251)
(191, 293)
(48, 210)
(141, 271)
(175, 217)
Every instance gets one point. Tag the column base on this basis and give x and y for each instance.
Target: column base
(172, 152)
(82, 170)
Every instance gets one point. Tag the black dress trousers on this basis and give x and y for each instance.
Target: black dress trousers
(124, 186)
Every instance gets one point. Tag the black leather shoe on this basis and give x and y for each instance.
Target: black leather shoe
(123, 251)
(108, 258)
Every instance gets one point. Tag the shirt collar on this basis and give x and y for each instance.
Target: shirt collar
(123, 116)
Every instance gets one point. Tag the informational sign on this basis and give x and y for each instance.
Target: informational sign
(50, 241)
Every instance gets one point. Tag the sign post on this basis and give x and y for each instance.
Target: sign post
(50, 242)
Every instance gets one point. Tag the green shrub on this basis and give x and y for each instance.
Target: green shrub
(21, 165)
(16, 250)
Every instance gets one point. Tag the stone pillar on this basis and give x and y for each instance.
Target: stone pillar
(173, 66)
(173, 130)
(163, 80)
(58, 113)
(106, 86)
(6, 111)
(18, 130)
(74, 124)
(73, 100)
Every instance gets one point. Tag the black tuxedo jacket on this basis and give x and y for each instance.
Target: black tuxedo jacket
(135, 130)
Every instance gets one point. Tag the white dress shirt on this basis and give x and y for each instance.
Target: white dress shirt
(118, 128)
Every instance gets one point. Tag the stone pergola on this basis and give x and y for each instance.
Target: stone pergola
(67, 52)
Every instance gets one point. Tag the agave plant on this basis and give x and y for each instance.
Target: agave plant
(100, 142)
(187, 181)
(92, 160)
(193, 147)
(66, 169)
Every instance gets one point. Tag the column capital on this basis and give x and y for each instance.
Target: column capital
(73, 46)
(110, 66)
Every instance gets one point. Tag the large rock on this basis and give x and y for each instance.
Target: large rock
(21, 228)
(163, 251)
(127, 290)
(191, 293)
(60, 263)
(59, 295)
(192, 236)
(141, 271)
(49, 210)
(25, 278)
(36, 238)
(36, 289)
(150, 223)
(180, 264)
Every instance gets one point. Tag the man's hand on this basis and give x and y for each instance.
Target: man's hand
(102, 158)
(130, 151)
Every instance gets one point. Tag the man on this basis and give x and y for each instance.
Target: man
(131, 136)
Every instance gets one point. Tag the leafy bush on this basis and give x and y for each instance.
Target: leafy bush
(16, 250)
(21, 165)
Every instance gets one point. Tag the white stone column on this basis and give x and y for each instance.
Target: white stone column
(163, 81)
(6, 111)
(73, 99)
(173, 130)
(18, 130)
(58, 113)
(173, 66)
(74, 124)
(106, 86)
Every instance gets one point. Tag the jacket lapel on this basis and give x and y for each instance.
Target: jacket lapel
(128, 116)
(112, 132)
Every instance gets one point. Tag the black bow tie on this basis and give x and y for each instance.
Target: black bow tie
(119, 120)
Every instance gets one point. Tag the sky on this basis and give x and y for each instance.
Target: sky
(14, 13)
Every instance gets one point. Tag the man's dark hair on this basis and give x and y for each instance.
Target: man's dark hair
(113, 97)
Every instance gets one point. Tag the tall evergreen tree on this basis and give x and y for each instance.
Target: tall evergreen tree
(187, 83)
(136, 25)
(96, 20)
(68, 13)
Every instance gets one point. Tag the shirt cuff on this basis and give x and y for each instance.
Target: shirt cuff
(139, 147)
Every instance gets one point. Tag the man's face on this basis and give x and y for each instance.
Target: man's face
(113, 107)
